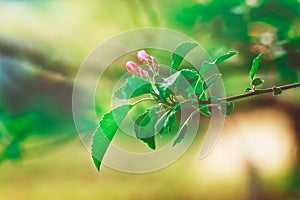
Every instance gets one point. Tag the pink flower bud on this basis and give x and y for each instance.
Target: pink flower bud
(143, 73)
(154, 63)
(132, 67)
(143, 57)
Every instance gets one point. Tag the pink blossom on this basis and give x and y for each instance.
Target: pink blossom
(132, 67)
(154, 63)
(143, 57)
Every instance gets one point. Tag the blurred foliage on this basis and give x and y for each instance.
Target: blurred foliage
(251, 27)
(33, 103)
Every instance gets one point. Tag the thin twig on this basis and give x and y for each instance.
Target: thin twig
(252, 93)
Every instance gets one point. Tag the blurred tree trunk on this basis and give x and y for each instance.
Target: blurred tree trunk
(293, 111)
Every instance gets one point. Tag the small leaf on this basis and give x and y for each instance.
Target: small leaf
(276, 90)
(165, 123)
(226, 107)
(181, 134)
(199, 91)
(190, 75)
(224, 57)
(255, 65)
(144, 126)
(205, 110)
(177, 83)
(257, 81)
(133, 87)
(248, 89)
(183, 129)
(206, 66)
(105, 132)
(186, 82)
(213, 99)
(180, 52)
(167, 85)
(199, 87)
(211, 80)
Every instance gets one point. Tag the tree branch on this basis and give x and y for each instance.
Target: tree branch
(253, 93)
(13, 48)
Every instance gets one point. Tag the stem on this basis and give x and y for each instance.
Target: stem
(141, 100)
(253, 93)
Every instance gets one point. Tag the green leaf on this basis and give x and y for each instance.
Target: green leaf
(190, 75)
(205, 110)
(183, 129)
(206, 66)
(226, 108)
(224, 57)
(181, 134)
(144, 126)
(133, 87)
(165, 86)
(255, 65)
(211, 80)
(165, 123)
(248, 89)
(177, 83)
(199, 90)
(257, 81)
(186, 82)
(180, 52)
(276, 90)
(213, 99)
(199, 87)
(105, 132)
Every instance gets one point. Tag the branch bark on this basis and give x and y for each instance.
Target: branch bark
(253, 93)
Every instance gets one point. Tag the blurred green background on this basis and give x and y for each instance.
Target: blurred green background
(42, 45)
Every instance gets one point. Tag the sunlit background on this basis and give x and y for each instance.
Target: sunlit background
(42, 45)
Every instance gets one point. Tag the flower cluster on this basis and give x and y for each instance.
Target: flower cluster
(134, 69)
(144, 58)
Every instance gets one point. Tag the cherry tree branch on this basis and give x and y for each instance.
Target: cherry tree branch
(254, 93)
